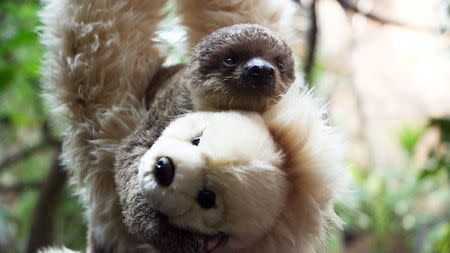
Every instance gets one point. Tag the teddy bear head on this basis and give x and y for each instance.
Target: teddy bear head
(218, 174)
(253, 182)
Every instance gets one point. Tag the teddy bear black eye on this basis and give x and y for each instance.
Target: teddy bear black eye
(281, 66)
(230, 61)
(195, 141)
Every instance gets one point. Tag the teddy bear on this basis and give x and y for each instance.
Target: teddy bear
(252, 182)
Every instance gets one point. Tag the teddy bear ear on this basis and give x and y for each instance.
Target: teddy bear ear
(297, 115)
(299, 126)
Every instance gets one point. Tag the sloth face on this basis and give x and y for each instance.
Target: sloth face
(218, 174)
(240, 67)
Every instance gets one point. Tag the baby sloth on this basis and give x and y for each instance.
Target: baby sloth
(244, 66)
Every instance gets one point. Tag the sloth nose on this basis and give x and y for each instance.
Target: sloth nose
(206, 199)
(164, 171)
(258, 68)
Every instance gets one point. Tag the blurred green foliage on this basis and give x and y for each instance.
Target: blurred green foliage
(22, 116)
(440, 161)
(390, 210)
(400, 209)
(409, 136)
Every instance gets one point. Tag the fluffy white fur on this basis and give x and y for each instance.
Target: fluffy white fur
(314, 166)
(275, 176)
(99, 62)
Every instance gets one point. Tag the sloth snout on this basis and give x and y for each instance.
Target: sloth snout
(164, 171)
(259, 69)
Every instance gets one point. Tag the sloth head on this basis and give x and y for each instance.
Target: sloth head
(240, 67)
(228, 186)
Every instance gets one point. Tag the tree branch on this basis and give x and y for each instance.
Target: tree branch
(351, 7)
(21, 154)
(43, 223)
(312, 43)
(19, 187)
(18, 156)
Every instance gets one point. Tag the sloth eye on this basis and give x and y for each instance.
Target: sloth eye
(230, 61)
(281, 66)
(195, 141)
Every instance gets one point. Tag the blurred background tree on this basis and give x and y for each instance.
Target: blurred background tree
(384, 65)
(33, 189)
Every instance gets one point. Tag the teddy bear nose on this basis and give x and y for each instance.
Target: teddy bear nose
(206, 199)
(164, 171)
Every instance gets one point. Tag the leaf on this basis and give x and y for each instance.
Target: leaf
(6, 76)
(409, 137)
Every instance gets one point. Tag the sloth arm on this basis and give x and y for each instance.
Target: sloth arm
(202, 17)
(100, 59)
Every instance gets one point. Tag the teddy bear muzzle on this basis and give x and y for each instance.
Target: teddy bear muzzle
(164, 173)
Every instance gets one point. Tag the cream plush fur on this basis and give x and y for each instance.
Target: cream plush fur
(237, 159)
(276, 176)
(101, 56)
